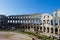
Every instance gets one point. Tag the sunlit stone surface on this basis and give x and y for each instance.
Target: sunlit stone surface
(13, 36)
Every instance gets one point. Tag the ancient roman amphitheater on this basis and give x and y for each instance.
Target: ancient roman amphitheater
(46, 24)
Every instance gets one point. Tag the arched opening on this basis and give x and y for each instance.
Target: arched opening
(37, 28)
(31, 26)
(34, 27)
(47, 29)
(51, 30)
(23, 27)
(41, 28)
(20, 27)
(44, 29)
(51, 22)
(56, 30)
(28, 27)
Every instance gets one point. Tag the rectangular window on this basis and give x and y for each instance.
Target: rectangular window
(8, 21)
(10, 17)
(51, 30)
(21, 21)
(23, 17)
(26, 16)
(18, 21)
(13, 17)
(16, 17)
(29, 21)
(19, 17)
(13, 21)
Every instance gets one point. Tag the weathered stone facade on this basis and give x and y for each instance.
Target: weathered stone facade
(38, 23)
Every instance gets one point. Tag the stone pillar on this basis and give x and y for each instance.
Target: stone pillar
(49, 30)
(33, 28)
(42, 29)
(46, 21)
(39, 28)
(50, 22)
(53, 30)
(36, 28)
(58, 22)
(30, 27)
(54, 22)
(46, 30)
(58, 30)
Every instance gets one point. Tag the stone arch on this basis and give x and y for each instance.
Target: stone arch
(31, 26)
(51, 30)
(37, 28)
(56, 30)
(23, 27)
(41, 28)
(28, 27)
(34, 28)
(47, 29)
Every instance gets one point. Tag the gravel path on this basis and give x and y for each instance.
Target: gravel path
(13, 36)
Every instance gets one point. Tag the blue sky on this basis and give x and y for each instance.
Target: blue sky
(19, 7)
